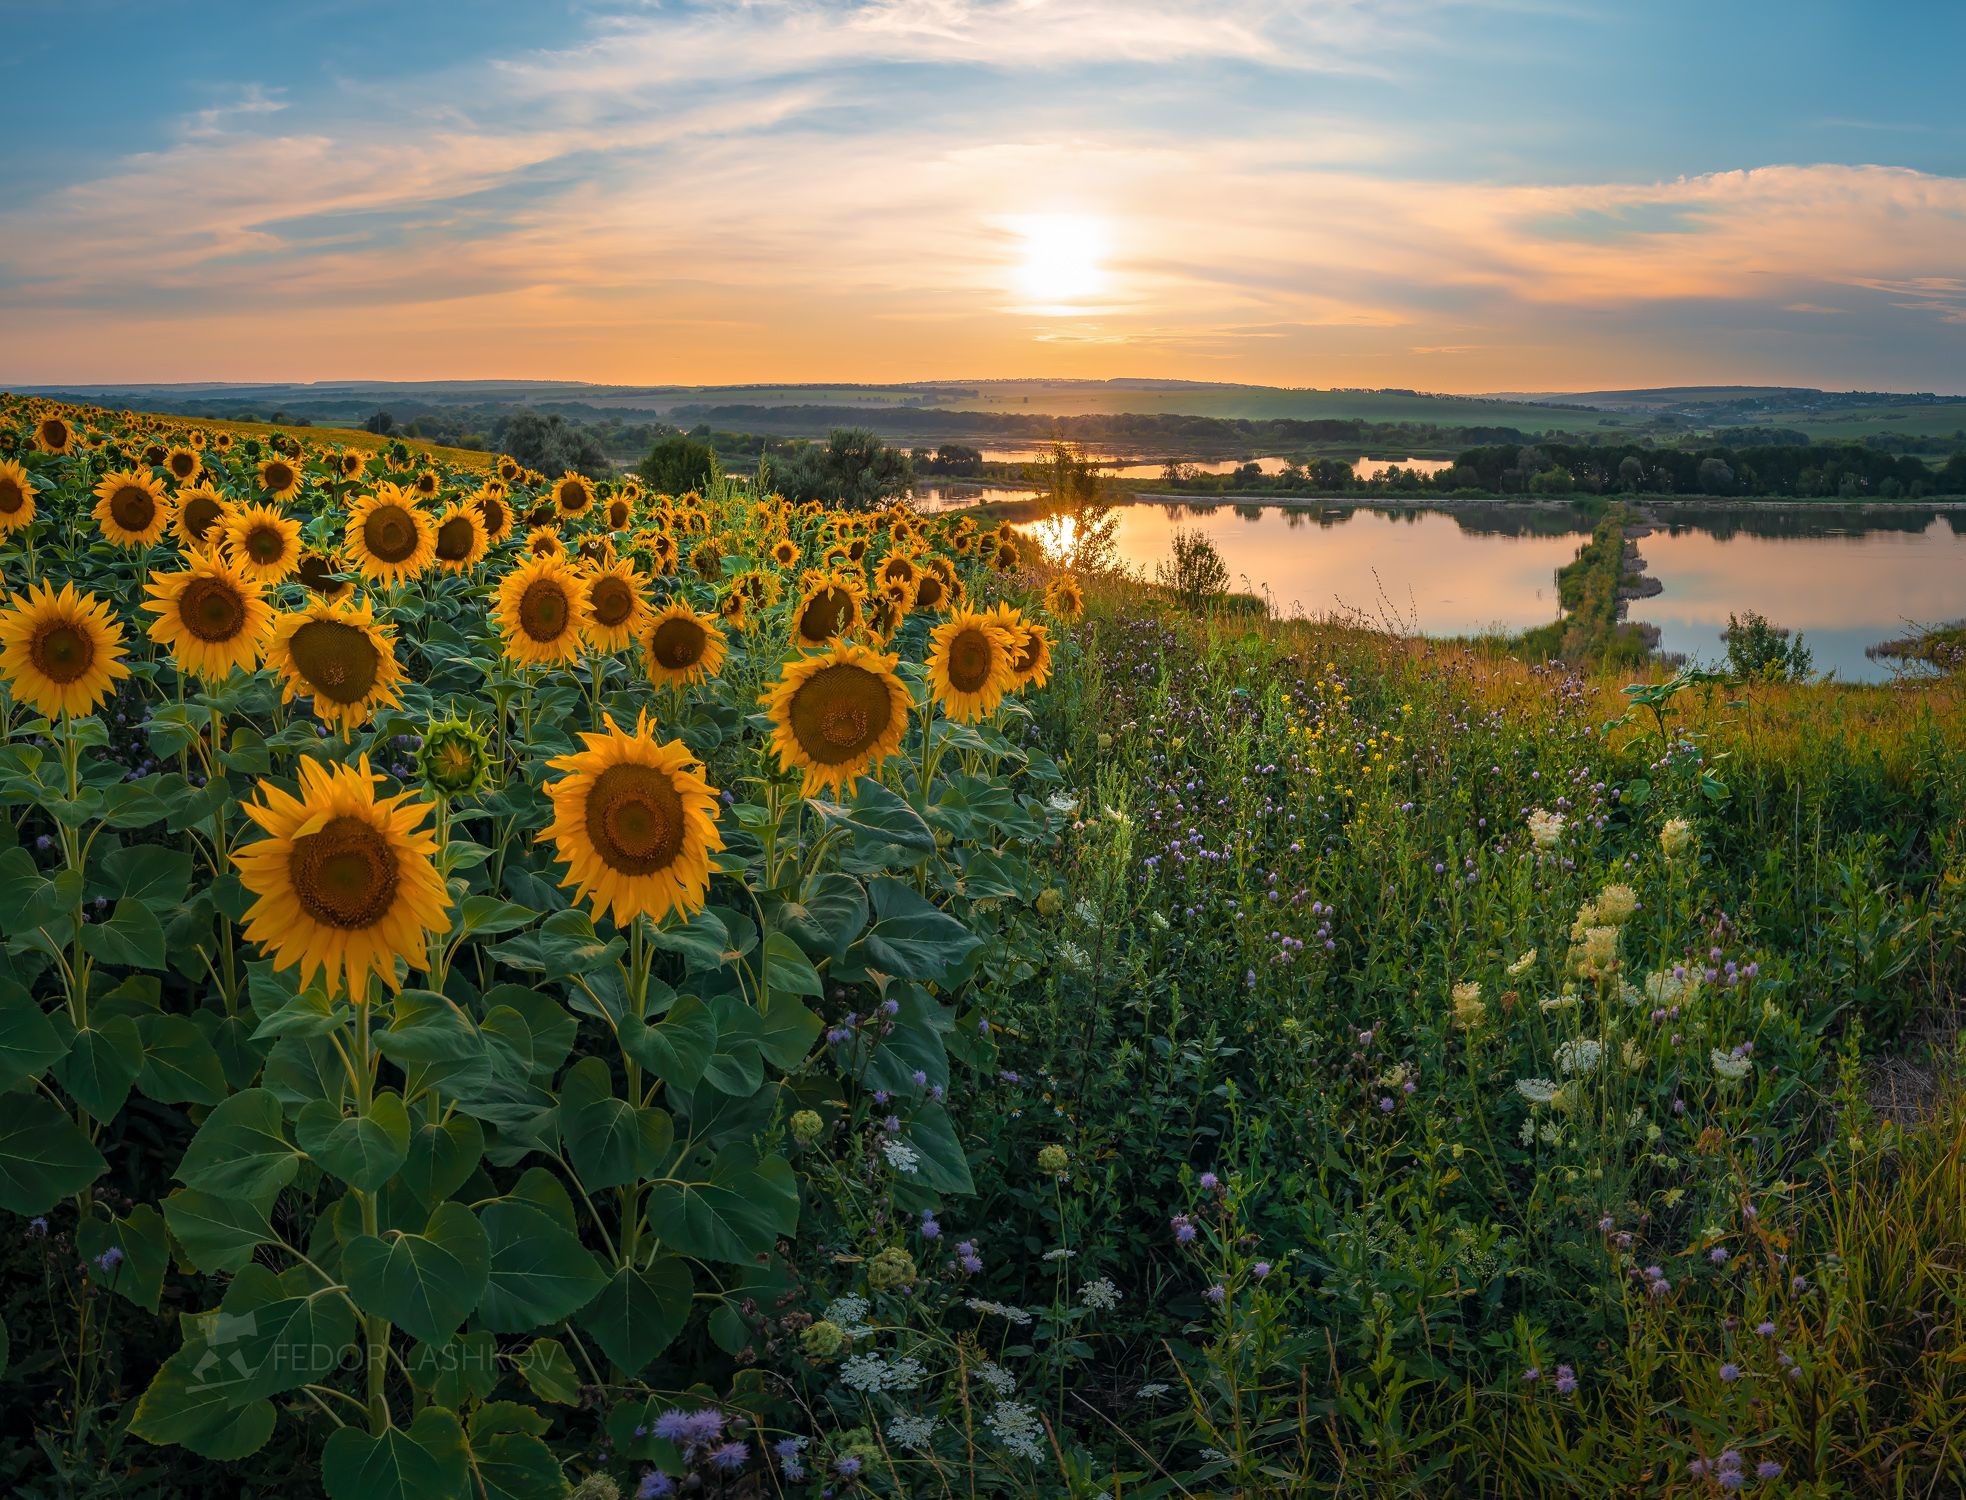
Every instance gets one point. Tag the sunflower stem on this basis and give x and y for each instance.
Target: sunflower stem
(375, 1327)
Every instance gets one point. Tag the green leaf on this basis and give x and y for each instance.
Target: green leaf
(679, 1046)
(912, 938)
(458, 1372)
(564, 944)
(877, 816)
(831, 915)
(44, 1157)
(787, 970)
(179, 1065)
(944, 1165)
(436, 1044)
(363, 1150)
(136, 1249)
(611, 1142)
(539, 1274)
(424, 1283)
(151, 873)
(738, 1211)
(132, 936)
(101, 1066)
(508, 1460)
(442, 1158)
(701, 941)
(640, 1311)
(788, 1030)
(547, 1369)
(29, 1045)
(241, 1150)
(217, 1234)
(424, 1462)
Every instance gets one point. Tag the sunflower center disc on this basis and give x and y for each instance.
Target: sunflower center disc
(611, 601)
(969, 660)
(678, 644)
(839, 712)
(635, 819)
(133, 508)
(824, 615)
(345, 875)
(543, 611)
(454, 539)
(199, 514)
(1028, 657)
(930, 593)
(62, 652)
(182, 464)
(493, 512)
(212, 610)
(264, 544)
(390, 534)
(12, 496)
(278, 476)
(339, 661)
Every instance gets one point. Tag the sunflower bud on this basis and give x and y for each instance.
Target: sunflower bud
(454, 759)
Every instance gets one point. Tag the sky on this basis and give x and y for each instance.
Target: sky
(1449, 195)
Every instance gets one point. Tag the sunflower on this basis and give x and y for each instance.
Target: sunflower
(496, 513)
(319, 573)
(1030, 649)
(662, 549)
(199, 515)
(211, 615)
(884, 616)
(222, 441)
(1006, 559)
(828, 609)
(339, 657)
(347, 882)
(183, 464)
(635, 824)
(898, 575)
(427, 484)
(936, 589)
(131, 508)
(970, 664)
(621, 513)
(573, 493)
(1064, 600)
(53, 434)
(540, 606)
(837, 714)
(680, 646)
(17, 494)
(264, 543)
(734, 605)
(60, 653)
(544, 541)
(616, 606)
(461, 539)
(280, 477)
(509, 469)
(785, 553)
(389, 539)
(707, 561)
(350, 462)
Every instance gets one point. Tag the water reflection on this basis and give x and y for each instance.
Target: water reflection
(1846, 577)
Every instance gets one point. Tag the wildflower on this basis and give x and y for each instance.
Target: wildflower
(1720, 1255)
(1208, 1182)
(930, 1229)
(996, 1377)
(1730, 1372)
(806, 1126)
(1053, 1159)
(1469, 1011)
(1151, 1389)
(850, 1313)
(1522, 965)
(655, 1485)
(1615, 905)
(1566, 1380)
(1100, 1294)
(1537, 1090)
(1545, 828)
(110, 1259)
(1579, 1056)
(1050, 899)
(1218, 1294)
(1017, 1427)
(891, 1269)
(901, 1156)
(1768, 1469)
(1184, 1229)
(847, 1467)
(1676, 837)
(1004, 1310)
(1765, 1329)
(730, 1458)
(911, 1431)
(1594, 950)
(1260, 1270)
(1729, 1067)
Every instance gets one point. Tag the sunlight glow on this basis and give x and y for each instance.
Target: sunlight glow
(1060, 267)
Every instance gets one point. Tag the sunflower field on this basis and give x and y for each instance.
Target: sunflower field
(519, 987)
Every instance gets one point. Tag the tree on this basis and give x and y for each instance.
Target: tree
(1630, 472)
(1195, 575)
(853, 469)
(1071, 490)
(381, 423)
(1715, 477)
(1762, 652)
(678, 464)
(552, 445)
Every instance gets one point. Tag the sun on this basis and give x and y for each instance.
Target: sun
(1061, 260)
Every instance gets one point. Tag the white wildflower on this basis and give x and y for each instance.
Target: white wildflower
(910, 1432)
(1151, 1389)
(1615, 905)
(1073, 957)
(1566, 1001)
(1086, 911)
(1100, 1295)
(996, 1377)
(1017, 1427)
(1063, 804)
(1537, 1090)
(1061, 1253)
(1676, 837)
(1729, 1067)
(901, 1156)
(1579, 1056)
(1545, 828)
(1002, 1310)
(1522, 965)
(849, 1315)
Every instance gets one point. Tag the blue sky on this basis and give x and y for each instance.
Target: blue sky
(1456, 196)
